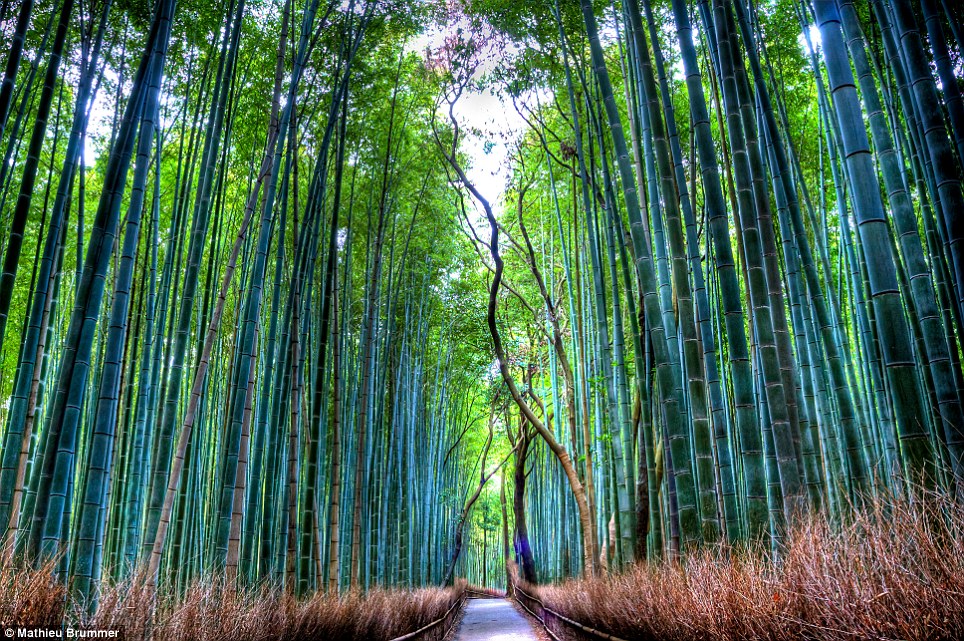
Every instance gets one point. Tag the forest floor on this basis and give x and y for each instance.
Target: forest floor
(489, 619)
(892, 568)
(209, 609)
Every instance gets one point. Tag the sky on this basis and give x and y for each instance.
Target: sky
(481, 112)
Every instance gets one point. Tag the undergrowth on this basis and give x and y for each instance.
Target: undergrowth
(208, 610)
(893, 570)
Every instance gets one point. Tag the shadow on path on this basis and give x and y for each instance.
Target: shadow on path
(493, 620)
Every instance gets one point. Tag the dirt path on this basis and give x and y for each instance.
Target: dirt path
(493, 620)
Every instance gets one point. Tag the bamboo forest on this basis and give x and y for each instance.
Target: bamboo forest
(482, 319)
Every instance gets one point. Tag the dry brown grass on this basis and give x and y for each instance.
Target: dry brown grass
(894, 571)
(29, 597)
(209, 611)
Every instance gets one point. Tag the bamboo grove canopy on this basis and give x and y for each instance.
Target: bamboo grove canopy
(332, 294)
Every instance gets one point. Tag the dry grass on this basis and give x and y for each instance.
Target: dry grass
(210, 611)
(29, 597)
(894, 571)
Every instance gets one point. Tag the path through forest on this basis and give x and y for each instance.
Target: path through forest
(493, 619)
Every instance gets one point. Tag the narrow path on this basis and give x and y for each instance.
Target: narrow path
(493, 620)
